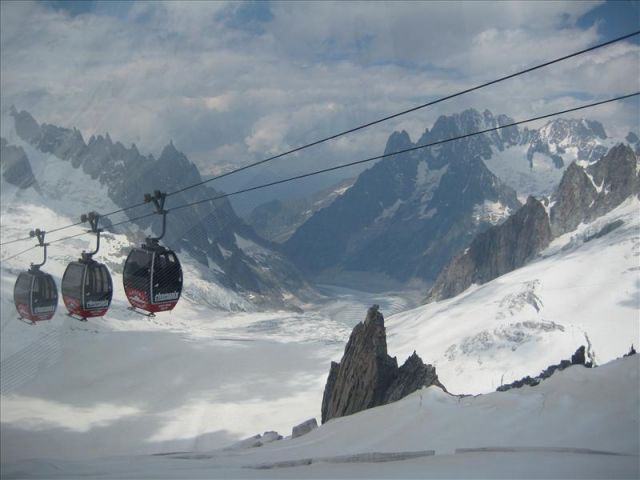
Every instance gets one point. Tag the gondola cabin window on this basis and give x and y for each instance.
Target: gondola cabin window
(72, 280)
(167, 277)
(22, 290)
(138, 269)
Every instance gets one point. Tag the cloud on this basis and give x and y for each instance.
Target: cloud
(231, 83)
(421, 32)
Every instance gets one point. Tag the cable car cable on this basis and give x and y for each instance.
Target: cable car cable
(18, 254)
(418, 147)
(410, 110)
(361, 127)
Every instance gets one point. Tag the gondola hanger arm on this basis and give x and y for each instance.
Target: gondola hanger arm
(158, 198)
(92, 218)
(39, 234)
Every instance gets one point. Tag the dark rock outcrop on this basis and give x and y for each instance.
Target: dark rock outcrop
(412, 376)
(278, 219)
(578, 358)
(304, 428)
(497, 251)
(634, 141)
(15, 166)
(367, 376)
(572, 200)
(584, 195)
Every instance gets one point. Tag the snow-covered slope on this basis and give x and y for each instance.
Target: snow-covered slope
(210, 372)
(579, 293)
(580, 423)
(64, 190)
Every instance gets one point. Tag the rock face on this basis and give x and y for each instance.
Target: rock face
(573, 199)
(409, 214)
(582, 196)
(585, 194)
(278, 219)
(367, 376)
(15, 166)
(497, 251)
(304, 428)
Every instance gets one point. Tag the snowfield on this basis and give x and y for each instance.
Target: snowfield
(212, 371)
(556, 430)
(99, 398)
(581, 291)
(114, 396)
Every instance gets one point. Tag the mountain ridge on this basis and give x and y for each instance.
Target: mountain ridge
(407, 216)
(210, 232)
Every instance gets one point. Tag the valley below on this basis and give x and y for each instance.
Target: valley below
(190, 380)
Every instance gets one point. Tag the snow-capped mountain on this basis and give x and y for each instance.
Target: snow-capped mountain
(565, 140)
(583, 195)
(535, 162)
(408, 215)
(210, 232)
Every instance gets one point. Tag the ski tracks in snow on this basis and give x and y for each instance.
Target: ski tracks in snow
(24, 365)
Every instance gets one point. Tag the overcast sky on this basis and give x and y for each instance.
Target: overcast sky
(233, 82)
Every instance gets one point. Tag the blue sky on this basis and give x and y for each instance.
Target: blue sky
(232, 82)
(614, 17)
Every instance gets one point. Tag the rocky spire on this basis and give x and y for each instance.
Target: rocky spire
(367, 376)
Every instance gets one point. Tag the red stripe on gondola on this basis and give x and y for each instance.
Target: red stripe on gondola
(75, 307)
(24, 312)
(138, 298)
(162, 307)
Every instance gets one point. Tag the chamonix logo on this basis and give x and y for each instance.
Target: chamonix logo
(97, 303)
(46, 309)
(162, 297)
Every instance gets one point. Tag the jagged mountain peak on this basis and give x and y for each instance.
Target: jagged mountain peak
(583, 195)
(170, 151)
(569, 130)
(469, 120)
(396, 216)
(398, 141)
(99, 141)
(458, 123)
(125, 175)
(26, 124)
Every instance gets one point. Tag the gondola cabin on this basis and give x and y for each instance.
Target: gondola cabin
(35, 295)
(87, 288)
(152, 278)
